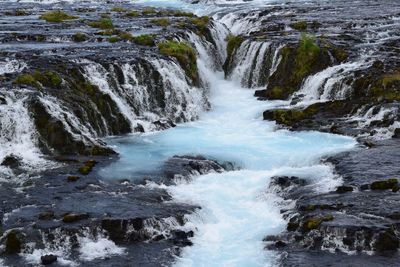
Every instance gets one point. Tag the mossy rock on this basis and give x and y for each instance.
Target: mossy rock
(344, 189)
(79, 37)
(119, 9)
(114, 39)
(185, 54)
(74, 217)
(36, 79)
(72, 178)
(57, 16)
(314, 222)
(105, 23)
(149, 11)
(163, 22)
(87, 167)
(200, 23)
(13, 244)
(132, 14)
(233, 43)
(26, 79)
(144, 39)
(385, 185)
(299, 25)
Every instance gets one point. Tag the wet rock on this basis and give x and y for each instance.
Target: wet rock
(48, 259)
(3, 101)
(47, 215)
(13, 242)
(12, 162)
(72, 178)
(369, 144)
(74, 217)
(385, 185)
(396, 133)
(87, 167)
(118, 229)
(286, 181)
(344, 189)
(386, 241)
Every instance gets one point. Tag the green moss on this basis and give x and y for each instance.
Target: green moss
(311, 224)
(20, 12)
(299, 25)
(149, 11)
(72, 217)
(114, 39)
(56, 16)
(144, 39)
(79, 37)
(340, 54)
(125, 36)
(200, 23)
(307, 54)
(391, 78)
(132, 14)
(275, 93)
(385, 185)
(233, 43)
(102, 24)
(184, 53)
(87, 167)
(26, 79)
(48, 78)
(119, 9)
(164, 22)
(182, 14)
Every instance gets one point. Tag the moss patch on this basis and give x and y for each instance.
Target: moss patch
(233, 43)
(87, 167)
(26, 79)
(79, 37)
(149, 11)
(163, 22)
(104, 23)
(385, 185)
(299, 25)
(13, 243)
(56, 16)
(144, 39)
(184, 53)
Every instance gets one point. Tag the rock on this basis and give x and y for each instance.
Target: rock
(286, 181)
(385, 185)
(394, 216)
(87, 167)
(386, 241)
(72, 217)
(13, 242)
(280, 244)
(364, 187)
(396, 133)
(122, 230)
(48, 259)
(369, 144)
(3, 101)
(72, 178)
(344, 189)
(47, 215)
(314, 222)
(12, 161)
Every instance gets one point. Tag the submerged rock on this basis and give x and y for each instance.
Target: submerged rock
(48, 259)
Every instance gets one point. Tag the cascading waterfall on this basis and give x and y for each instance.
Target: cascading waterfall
(18, 136)
(249, 64)
(328, 84)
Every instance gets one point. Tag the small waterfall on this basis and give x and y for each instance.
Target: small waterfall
(79, 130)
(18, 136)
(329, 83)
(250, 65)
(11, 66)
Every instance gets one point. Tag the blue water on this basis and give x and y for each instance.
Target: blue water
(237, 210)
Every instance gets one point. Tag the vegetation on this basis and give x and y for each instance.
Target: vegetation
(48, 79)
(114, 39)
(201, 23)
(56, 16)
(299, 25)
(314, 223)
(385, 185)
(87, 167)
(79, 37)
(233, 43)
(185, 55)
(164, 22)
(102, 24)
(125, 36)
(144, 39)
(307, 54)
(118, 9)
(132, 13)
(149, 11)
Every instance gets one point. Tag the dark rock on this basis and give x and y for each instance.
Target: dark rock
(72, 178)
(73, 217)
(344, 189)
(3, 101)
(364, 187)
(280, 244)
(386, 241)
(369, 144)
(47, 215)
(48, 259)
(13, 242)
(385, 185)
(12, 162)
(396, 133)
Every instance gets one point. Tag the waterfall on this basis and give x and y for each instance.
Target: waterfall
(18, 136)
(329, 83)
(249, 65)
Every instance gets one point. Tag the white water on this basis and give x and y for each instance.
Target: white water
(237, 210)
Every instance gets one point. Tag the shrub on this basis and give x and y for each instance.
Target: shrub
(56, 16)
(102, 24)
